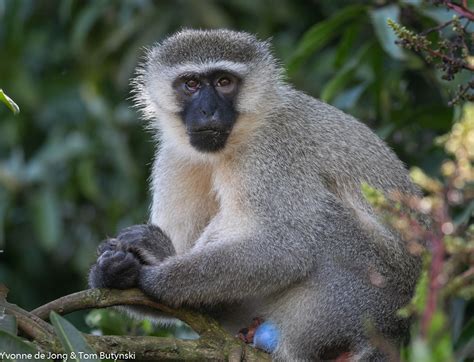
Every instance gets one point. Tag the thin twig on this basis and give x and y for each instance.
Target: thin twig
(446, 58)
(462, 10)
(460, 281)
(436, 28)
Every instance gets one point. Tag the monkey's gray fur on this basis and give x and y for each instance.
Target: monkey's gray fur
(274, 224)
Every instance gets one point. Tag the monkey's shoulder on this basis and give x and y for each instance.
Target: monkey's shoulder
(303, 124)
(320, 120)
(306, 137)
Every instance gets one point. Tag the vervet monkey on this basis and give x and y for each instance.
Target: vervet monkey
(257, 205)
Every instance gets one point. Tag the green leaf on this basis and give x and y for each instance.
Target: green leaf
(347, 43)
(439, 337)
(54, 154)
(88, 179)
(466, 214)
(65, 10)
(440, 15)
(13, 344)
(320, 34)
(412, 2)
(8, 323)
(108, 321)
(46, 212)
(344, 75)
(421, 290)
(84, 24)
(349, 97)
(71, 339)
(467, 334)
(4, 206)
(9, 102)
(372, 195)
(384, 33)
(338, 82)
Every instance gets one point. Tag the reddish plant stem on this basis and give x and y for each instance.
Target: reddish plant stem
(436, 28)
(461, 10)
(440, 55)
(438, 254)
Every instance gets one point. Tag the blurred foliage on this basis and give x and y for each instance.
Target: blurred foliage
(447, 245)
(72, 341)
(112, 322)
(74, 162)
(449, 46)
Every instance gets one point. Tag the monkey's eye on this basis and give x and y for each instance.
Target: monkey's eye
(192, 85)
(224, 82)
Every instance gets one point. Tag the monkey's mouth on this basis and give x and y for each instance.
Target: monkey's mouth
(208, 139)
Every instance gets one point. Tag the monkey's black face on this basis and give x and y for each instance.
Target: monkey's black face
(208, 107)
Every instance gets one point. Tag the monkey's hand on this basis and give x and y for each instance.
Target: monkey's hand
(115, 269)
(147, 242)
(120, 259)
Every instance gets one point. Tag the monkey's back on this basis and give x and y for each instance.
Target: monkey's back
(323, 143)
(319, 160)
(346, 151)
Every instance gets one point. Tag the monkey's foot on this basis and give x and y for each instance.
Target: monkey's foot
(246, 334)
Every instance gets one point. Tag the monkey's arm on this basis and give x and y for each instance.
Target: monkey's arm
(226, 272)
(213, 273)
(280, 252)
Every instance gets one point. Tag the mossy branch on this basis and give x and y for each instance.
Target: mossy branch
(214, 343)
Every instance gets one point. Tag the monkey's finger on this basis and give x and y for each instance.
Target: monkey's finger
(117, 261)
(108, 244)
(133, 233)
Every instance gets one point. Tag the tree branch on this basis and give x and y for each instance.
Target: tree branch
(29, 324)
(214, 342)
(102, 298)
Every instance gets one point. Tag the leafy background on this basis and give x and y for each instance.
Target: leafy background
(74, 163)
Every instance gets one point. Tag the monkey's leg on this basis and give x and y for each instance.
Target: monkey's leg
(331, 315)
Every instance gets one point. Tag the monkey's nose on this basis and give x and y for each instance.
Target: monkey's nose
(208, 113)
